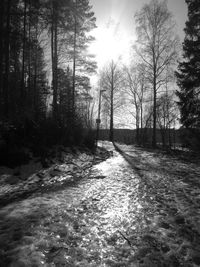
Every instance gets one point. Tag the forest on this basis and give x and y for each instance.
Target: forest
(46, 96)
(44, 84)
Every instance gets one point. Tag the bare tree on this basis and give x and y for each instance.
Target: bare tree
(167, 114)
(156, 45)
(135, 87)
(111, 79)
(167, 110)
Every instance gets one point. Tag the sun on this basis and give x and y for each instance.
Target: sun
(111, 44)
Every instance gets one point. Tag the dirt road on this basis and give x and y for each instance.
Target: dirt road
(137, 208)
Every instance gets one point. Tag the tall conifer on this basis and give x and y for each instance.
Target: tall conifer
(188, 74)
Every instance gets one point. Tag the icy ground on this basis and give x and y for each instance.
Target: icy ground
(137, 208)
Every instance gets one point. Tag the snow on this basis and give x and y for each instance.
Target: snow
(142, 211)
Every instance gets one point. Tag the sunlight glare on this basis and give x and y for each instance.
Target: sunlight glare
(111, 44)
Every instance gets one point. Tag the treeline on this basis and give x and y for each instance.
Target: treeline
(44, 67)
(128, 136)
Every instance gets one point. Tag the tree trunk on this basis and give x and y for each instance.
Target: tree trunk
(169, 132)
(141, 123)
(55, 89)
(163, 134)
(111, 107)
(137, 125)
(154, 110)
(29, 58)
(1, 52)
(7, 61)
(111, 118)
(35, 90)
(52, 53)
(74, 64)
(54, 58)
(23, 54)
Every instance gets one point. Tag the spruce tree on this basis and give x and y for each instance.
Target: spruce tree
(188, 75)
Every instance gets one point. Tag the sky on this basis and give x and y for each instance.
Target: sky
(115, 26)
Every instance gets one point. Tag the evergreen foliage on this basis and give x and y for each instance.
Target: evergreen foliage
(43, 41)
(188, 75)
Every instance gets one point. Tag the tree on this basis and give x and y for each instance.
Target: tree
(36, 40)
(2, 14)
(110, 80)
(188, 74)
(24, 41)
(83, 63)
(157, 46)
(56, 16)
(135, 87)
(167, 115)
(55, 21)
(69, 24)
(7, 59)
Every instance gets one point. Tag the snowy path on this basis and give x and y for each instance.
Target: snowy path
(133, 212)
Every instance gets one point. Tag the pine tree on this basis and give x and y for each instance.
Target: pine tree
(29, 31)
(188, 74)
(83, 62)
